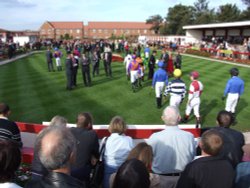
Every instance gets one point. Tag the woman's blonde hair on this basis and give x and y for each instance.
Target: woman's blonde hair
(117, 125)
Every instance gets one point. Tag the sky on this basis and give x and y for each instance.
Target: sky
(31, 14)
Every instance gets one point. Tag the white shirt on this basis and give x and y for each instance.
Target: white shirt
(173, 149)
(9, 185)
(117, 149)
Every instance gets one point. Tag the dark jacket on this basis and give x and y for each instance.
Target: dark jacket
(87, 146)
(207, 172)
(233, 142)
(152, 60)
(55, 180)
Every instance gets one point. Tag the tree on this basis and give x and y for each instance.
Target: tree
(156, 21)
(203, 15)
(201, 6)
(245, 15)
(246, 2)
(228, 13)
(177, 17)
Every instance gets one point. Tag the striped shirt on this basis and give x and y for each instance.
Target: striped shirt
(176, 87)
(9, 130)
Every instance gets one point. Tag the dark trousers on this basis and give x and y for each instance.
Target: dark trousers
(96, 68)
(107, 67)
(86, 75)
(69, 79)
(50, 66)
(74, 76)
(150, 73)
(82, 173)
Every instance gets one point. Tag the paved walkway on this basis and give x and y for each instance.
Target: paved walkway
(3, 62)
(218, 60)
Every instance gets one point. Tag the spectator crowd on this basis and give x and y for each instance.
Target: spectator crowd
(67, 157)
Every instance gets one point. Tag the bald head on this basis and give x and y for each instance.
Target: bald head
(55, 146)
(171, 116)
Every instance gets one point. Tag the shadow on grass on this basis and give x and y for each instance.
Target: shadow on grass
(242, 104)
(207, 106)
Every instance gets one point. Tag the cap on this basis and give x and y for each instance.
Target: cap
(160, 64)
(234, 71)
(195, 74)
(177, 73)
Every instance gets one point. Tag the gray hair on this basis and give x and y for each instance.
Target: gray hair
(55, 146)
(171, 116)
(58, 121)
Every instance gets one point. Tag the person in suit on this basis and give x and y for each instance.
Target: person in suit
(69, 70)
(108, 60)
(151, 65)
(49, 58)
(85, 61)
(87, 150)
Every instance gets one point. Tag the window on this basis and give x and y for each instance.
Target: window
(71, 31)
(139, 31)
(115, 30)
(145, 31)
(78, 31)
(100, 30)
(94, 31)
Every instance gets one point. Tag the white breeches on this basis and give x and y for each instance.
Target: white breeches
(194, 104)
(58, 62)
(133, 76)
(231, 103)
(159, 88)
(175, 100)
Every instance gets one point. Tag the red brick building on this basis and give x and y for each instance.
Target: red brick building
(54, 30)
(105, 30)
(94, 30)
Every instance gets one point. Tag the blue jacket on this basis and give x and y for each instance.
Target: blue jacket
(234, 85)
(160, 76)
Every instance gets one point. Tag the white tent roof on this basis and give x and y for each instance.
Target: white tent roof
(218, 25)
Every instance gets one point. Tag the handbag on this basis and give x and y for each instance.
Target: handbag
(98, 171)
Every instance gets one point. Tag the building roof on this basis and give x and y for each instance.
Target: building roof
(218, 25)
(3, 30)
(118, 25)
(66, 25)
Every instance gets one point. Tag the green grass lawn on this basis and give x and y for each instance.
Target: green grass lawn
(36, 95)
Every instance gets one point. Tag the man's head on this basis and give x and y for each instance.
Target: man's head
(4, 109)
(211, 142)
(171, 116)
(56, 147)
(234, 72)
(224, 119)
(58, 121)
(84, 120)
